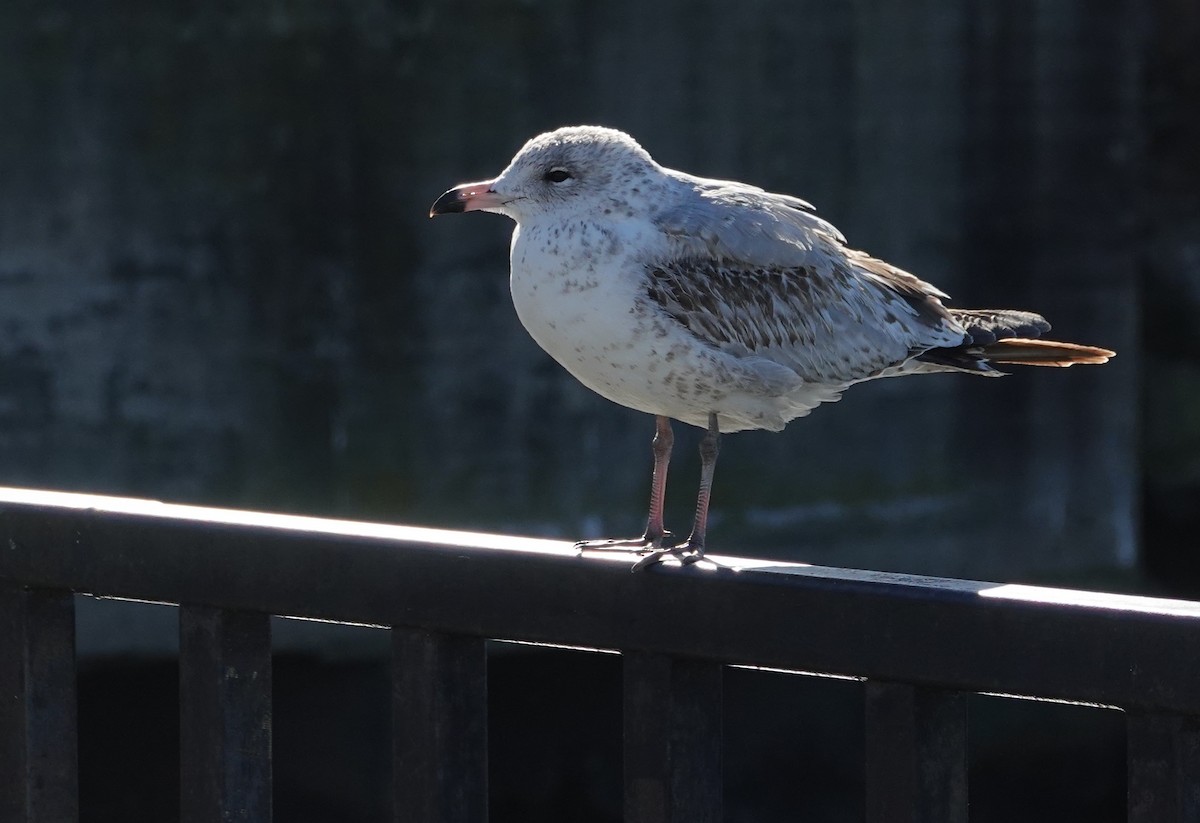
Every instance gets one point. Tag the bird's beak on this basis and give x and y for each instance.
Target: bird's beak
(467, 197)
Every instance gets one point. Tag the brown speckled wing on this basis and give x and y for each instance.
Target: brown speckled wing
(838, 323)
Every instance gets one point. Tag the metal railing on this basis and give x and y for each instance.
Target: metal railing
(921, 644)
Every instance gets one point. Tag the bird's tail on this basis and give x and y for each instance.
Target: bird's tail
(1017, 351)
(1008, 337)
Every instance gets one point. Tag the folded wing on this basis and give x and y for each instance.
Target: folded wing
(758, 274)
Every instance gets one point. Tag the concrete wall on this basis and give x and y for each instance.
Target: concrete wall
(218, 283)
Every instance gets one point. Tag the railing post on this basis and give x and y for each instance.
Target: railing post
(916, 754)
(39, 780)
(439, 727)
(225, 715)
(1164, 767)
(673, 719)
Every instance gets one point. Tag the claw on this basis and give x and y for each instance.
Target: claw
(652, 559)
(639, 545)
(683, 553)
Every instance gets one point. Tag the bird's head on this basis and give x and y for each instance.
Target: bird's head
(573, 169)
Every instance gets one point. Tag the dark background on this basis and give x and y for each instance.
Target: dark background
(218, 285)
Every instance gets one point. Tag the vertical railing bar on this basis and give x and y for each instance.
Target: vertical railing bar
(225, 715)
(916, 754)
(1163, 754)
(672, 739)
(39, 773)
(439, 727)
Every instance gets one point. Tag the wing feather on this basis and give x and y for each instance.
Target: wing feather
(759, 274)
(733, 220)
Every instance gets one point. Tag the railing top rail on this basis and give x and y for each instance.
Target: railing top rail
(1127, 651)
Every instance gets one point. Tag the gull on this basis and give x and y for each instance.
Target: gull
(716, 303)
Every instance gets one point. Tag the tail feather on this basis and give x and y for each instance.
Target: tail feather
(986, 326)
(1017, 351)
(1007, 337)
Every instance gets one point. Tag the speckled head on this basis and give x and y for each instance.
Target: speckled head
(561, 172)
(598, 144)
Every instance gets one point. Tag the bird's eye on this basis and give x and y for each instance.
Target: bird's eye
(557, 175)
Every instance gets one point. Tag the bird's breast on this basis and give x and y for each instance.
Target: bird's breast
(572, 287)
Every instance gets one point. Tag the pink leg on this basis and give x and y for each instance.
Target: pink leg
(692, 549)
(710, 447)
(664, 440)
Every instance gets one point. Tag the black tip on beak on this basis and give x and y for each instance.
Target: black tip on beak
(452, 202)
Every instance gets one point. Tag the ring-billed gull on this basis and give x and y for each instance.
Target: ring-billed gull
(715, 302)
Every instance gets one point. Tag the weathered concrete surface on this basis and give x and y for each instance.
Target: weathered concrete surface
(218, 283)
(1171, 297)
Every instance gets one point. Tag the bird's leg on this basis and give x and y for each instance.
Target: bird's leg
(710, 447)
(692, 549)
(664, 440)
